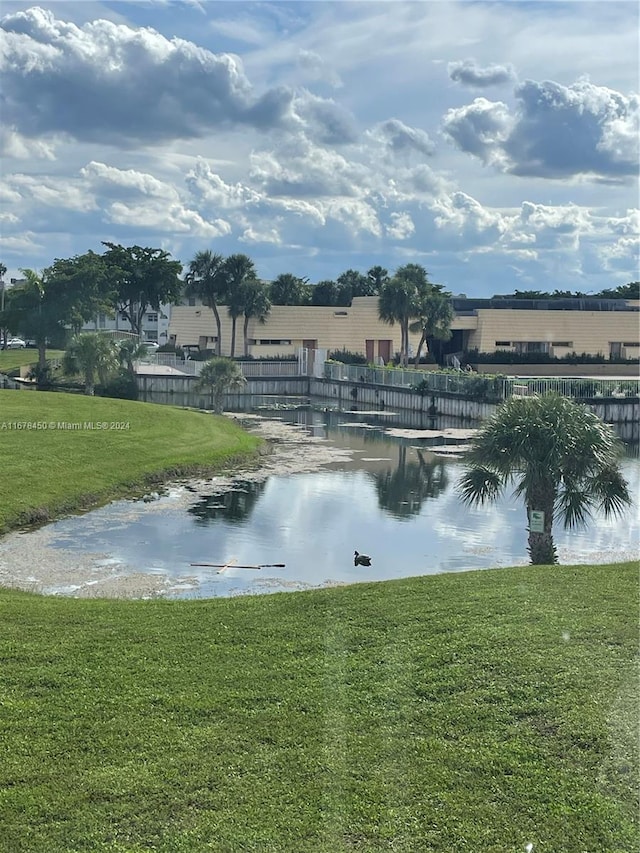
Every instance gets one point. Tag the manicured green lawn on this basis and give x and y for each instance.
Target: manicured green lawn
(52, 461)
(11, 359)
(483, 711)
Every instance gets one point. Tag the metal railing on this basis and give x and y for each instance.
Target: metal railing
(483, 385)
(250, 369)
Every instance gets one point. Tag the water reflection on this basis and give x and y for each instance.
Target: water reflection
(392, 497)
(234, 504)
(402, 490)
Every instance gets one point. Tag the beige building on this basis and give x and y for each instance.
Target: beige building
(609, 327)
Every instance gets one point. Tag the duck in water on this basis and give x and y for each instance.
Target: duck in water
(361, 559)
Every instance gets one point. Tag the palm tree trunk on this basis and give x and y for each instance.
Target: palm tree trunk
(246, 336)
(541, 548)
(42, 354)
(233, 336)
(423, 338)
(216, 314)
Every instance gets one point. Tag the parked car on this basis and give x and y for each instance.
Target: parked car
(151, 346)
(16, 343)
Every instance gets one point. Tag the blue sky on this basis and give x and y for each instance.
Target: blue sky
(494, 143)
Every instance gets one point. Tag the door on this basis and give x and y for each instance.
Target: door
(369, 350)
(384, 350)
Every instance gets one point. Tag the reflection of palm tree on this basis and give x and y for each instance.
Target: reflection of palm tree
(235, 505)
(401, 492)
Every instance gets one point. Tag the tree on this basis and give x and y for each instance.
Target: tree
(352, 283)
(397, 303)
(218, 376)
(240, 273)
(324, 293)
(130, 350)
(66, 294)
(377, 276)
(142, 278)
(256, 303)
(93, 355)
(3, 328)
(435, 315)
(207, 279)
(288, 289)
(561, 457)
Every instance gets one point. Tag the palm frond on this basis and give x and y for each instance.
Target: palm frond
(480, 484)
(574, 504)
(609, 487)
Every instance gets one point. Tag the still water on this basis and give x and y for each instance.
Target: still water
(376, 488)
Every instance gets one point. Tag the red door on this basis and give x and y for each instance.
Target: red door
(369, 350)
(384, 350)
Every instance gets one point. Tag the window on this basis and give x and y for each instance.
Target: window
(151, 334)
(503, 343)
(102, 320)
(340, 313)
(627, 344)
(531, 346)
(562, 343)
(274, 342)
(152, 317)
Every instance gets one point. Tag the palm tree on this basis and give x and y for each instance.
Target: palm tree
(289, 289)
(207, 279)
(561, 457)
(93, 355)
(240, 271)
(256, 303)
(435, 315)
(397, 303)
(130, 350)
(219, 375)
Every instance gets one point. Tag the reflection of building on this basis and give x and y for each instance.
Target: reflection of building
(155, 324)
(553, 326)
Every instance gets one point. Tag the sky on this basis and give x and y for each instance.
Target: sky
(495, 143)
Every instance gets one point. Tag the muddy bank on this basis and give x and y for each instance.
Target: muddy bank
(31, 562)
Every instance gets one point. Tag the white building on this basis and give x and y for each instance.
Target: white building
(155, 324)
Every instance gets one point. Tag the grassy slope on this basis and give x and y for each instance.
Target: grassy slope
(11, 359)
(46, 471)
(477, 712)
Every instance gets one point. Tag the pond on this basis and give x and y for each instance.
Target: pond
(335, 482)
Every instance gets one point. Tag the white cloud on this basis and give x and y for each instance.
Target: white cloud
(556, 131)
(401, 226)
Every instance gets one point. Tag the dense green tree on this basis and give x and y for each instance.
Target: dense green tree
(324, 293)
(129, 351)
(256, 304)
(67, 294)
(352, 283)
(142, 278)
(377, 276)
(207, 280)
(288, 289)
(560, 456)
(93, 355)
(241, 273)
(435, 315)
(218, 376)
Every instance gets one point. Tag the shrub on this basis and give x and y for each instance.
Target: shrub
(123, 386)
(345, 356)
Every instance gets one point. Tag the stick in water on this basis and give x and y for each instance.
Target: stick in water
(228, 565)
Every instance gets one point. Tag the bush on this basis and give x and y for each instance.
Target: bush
(345, 356)
(509, 357)
(123, 386)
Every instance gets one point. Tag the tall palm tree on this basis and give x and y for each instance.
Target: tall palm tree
(256, 303)
(435, 315)
(93, 355)
(207, 279)
(398, 303)
(218, 376)
(561, 458)
(240, 271)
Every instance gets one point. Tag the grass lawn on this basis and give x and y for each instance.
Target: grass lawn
(12, 359)
(48, 468)
(484, 711)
